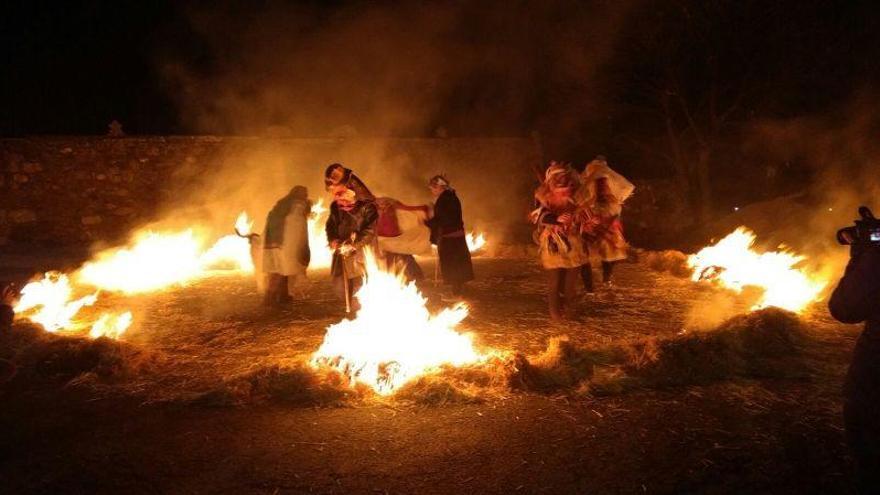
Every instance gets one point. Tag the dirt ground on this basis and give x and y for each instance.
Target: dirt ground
(164, 430)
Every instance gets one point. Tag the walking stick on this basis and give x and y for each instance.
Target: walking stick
(345, 284)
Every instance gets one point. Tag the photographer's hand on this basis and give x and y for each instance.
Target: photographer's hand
(8, 295)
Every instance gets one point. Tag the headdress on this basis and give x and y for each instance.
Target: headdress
(439, 180)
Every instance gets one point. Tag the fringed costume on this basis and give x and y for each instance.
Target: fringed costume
(559, 218)
(604, 192)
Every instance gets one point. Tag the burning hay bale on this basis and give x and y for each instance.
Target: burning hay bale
(765, 343)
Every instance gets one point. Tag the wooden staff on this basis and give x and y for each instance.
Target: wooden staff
(345, 283)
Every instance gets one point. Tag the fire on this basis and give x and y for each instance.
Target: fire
(112, 326)
(233, 251)
(153, 261)
(50, 302)
(394, 338)
(733, 264)
(320, 250)
(156, 261)
(243, 224)
(475, 242)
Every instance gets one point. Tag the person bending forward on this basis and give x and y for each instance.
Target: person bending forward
(286, 252)
(350, 228)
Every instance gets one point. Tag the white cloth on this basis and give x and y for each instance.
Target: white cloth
(285, 260)
(414, 238)
(619, 186)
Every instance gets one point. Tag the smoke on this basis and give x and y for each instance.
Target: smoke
(365, 83)
(385, 69)
(828, 163)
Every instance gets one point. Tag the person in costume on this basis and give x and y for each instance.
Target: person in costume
(286, 252)
(350, 229)
(559, 218)
(604, 192)
(399, 229)
(447, 232)
(336, 177)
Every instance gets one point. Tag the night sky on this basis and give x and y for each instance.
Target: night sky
(72, 67)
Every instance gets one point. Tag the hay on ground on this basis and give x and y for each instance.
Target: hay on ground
(668, 261)
(41, 356)
(298, 385)
(766, 343)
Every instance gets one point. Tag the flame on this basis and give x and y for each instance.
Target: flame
(112, 326)
(153, 261)
(157, 260)
(232, 252)
(50, 302)
(393, 338)
(321, 255)
(243, 224)
(732, 263)
(475, 242)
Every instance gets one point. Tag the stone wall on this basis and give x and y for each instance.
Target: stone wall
(75, 191)
(71, 192)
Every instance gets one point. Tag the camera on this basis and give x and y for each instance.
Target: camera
(865, 231)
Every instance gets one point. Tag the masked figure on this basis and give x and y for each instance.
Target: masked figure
(399, 229)
(350, 228)
(560, 217)
(604, 192)
(337, 177)
(447, 232)
(286, 245)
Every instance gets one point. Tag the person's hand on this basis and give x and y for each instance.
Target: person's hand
(346, 249)
(8, 295)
